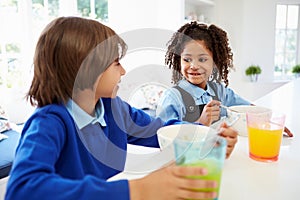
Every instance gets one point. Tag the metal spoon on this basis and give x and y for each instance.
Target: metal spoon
(228, 108)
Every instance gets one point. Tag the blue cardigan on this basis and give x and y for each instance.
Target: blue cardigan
(56, 160)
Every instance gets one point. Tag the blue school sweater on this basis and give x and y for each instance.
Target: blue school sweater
(56, 160)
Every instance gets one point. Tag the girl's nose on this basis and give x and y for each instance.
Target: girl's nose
(194, 65)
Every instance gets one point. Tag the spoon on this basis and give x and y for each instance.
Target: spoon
(230, 121)
(228, 108)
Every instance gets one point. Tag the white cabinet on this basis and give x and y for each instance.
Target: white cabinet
(201, 10)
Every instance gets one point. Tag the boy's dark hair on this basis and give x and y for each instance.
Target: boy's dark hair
(215, 40)
(70, 54)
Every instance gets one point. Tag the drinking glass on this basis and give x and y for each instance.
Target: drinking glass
(208, 152)
(265, 135)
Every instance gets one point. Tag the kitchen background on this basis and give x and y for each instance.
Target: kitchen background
(147, 26)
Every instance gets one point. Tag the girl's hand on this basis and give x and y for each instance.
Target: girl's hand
(210, 113)
(288, 132)
(171, 183)
(231, 135)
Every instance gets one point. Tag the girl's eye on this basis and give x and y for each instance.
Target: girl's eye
(187, 59)
(203, 59)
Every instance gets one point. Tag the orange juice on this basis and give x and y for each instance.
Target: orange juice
(264, 141)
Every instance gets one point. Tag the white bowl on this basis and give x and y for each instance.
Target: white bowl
(167, 134)
(241, 124)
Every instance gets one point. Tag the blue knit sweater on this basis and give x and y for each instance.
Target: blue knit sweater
(56, 160)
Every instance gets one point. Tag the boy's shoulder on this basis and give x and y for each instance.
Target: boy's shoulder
(53, 108)
(51, 111)
(51, 114)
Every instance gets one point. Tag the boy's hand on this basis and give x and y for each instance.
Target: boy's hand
(171, 182)
(230, 134)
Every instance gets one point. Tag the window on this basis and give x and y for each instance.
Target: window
(94, 8)
(287, 45)
(21, 23)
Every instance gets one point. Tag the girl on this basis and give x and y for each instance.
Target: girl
(200, 58)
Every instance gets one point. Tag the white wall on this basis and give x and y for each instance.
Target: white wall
(127, 15)
(250, 26)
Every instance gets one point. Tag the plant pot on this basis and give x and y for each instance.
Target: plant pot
(297, 75)
(253, 77)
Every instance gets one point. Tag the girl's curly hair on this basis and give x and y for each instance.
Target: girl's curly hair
(216, 41)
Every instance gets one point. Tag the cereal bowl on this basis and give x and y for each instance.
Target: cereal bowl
(167, 134)
(240, 111)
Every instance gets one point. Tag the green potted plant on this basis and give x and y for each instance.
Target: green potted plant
(296, 70)
(253, 71)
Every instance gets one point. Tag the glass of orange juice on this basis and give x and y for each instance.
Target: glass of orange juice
(265, 135)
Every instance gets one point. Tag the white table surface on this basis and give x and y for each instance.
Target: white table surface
(244, 178)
